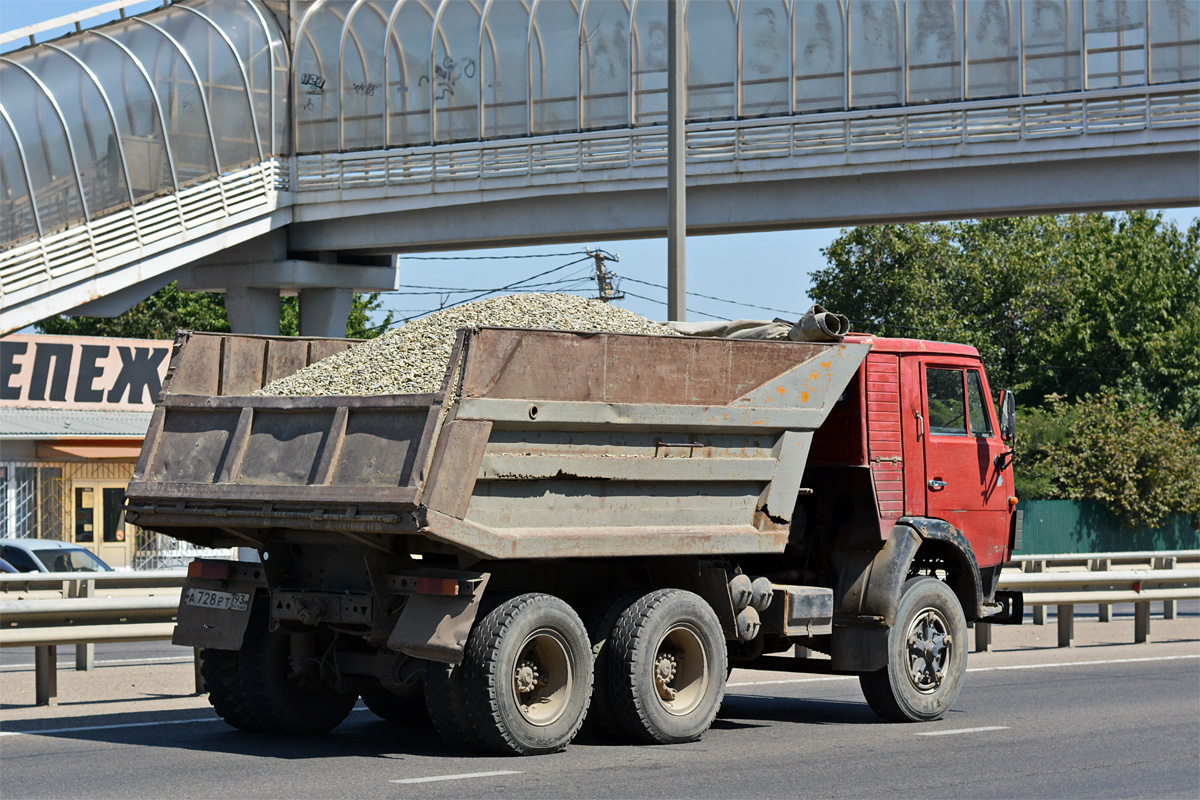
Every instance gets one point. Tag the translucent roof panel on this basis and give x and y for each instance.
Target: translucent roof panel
(121, 112)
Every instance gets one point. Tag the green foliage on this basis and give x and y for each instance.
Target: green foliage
(1071, 305)
(169, 309)
(1106, 448)
(156, 317)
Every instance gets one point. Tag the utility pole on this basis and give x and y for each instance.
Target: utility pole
(604, 277)
(676, 166)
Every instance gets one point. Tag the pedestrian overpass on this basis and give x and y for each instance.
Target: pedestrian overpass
(254, 146)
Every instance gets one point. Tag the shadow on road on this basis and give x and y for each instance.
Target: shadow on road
(737, 710)
(362, 735)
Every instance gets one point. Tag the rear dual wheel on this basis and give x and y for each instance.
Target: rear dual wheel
(526, 676)
(666, 667)
(256, 688)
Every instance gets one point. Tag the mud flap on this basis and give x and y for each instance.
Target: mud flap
(435, 627)
(214, 613)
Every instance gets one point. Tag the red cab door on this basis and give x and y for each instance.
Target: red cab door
(961, 441)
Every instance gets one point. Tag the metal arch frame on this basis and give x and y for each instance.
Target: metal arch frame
(362, 57)
(66, 130)
(533, 25)
(241, 68)
(387, 51)
(583, 10)
(294, 89)
(527, 6)
(112, 116)
(396, 9)
(212, 139)
(37, 217)
(262, 21)
(341, 117)
(435, 31)
(487, 8)
(433, 37)
(162, 119)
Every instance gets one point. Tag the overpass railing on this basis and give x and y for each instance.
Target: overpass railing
(972, 122)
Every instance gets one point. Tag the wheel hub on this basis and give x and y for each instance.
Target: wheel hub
(541, 677)
(665, 668)
(526, 677)
(929, 650)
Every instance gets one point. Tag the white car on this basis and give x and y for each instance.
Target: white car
(49, 555)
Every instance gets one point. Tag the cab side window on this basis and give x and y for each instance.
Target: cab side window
(981, 422)
(947, 406)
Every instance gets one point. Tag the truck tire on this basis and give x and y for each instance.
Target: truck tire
(667, 667)
(219, 668)
(446, 706)
(528, 675)
(927, 655)
(282, 702)
(600, 621)
(405, 709)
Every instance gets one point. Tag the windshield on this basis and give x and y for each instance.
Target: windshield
(74, 560)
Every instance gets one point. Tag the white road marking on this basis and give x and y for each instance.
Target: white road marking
(70, 664)
(977, 669)
(1084, 663)
(964, 730)
(110, 727)
(461, 777)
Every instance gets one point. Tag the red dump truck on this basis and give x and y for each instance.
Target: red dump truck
(582, 526)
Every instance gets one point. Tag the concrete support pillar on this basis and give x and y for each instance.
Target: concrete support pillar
(325, 312)
(253, 310)
(1066, 625)
(1168, 609)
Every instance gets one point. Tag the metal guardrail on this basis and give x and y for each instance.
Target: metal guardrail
(1070, 579)
(48, 609)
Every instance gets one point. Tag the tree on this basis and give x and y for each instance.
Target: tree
(1105, 447)
(169, 309)
(1071, 305)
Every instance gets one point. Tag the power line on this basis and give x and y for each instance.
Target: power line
(521, 285)
(487, 258)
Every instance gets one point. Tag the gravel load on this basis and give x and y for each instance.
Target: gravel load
(413, 358)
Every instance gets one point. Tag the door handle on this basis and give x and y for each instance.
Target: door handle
(937, 485)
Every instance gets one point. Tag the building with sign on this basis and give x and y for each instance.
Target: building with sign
(73, 413)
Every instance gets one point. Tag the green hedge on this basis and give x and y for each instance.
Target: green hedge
(1086, 526)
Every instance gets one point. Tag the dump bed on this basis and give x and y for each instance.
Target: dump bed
(540, 444)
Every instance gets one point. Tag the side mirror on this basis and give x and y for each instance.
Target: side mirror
(1008, 415)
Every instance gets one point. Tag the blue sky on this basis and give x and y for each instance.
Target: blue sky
(746, 270)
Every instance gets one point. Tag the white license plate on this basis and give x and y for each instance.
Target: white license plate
(226, 601)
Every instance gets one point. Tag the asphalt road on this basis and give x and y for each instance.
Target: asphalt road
(1125, 725)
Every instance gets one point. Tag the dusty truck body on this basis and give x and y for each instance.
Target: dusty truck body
(581, 525)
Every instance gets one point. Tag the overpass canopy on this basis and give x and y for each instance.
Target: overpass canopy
(106, 117)
(109, 116)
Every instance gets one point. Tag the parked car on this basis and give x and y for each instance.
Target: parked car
(6, 567)
(50, 555)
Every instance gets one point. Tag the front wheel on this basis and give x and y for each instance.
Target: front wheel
(927, 656)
